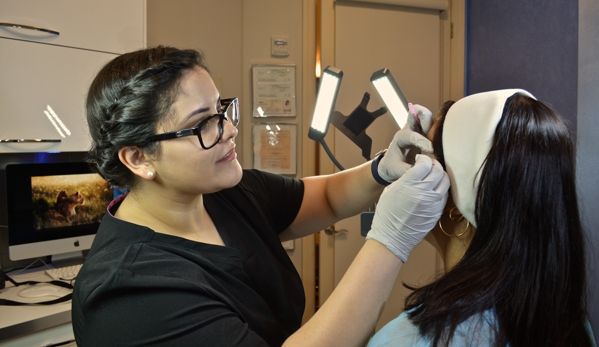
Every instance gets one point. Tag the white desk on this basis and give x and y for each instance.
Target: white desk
(33, 325)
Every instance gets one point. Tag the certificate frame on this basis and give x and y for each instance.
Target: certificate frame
(273, 89)
(275, 148)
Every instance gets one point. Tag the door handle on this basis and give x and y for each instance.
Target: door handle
(29, 27)
(331, 230)
(28, 140)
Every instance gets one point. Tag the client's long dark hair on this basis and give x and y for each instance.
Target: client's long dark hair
(526, 260)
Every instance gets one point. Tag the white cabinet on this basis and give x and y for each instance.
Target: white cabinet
(44, 78)
(113, 26)
(42, 95)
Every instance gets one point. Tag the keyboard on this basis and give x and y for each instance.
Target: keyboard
(64, 273)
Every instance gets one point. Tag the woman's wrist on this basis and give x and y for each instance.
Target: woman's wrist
(374, 167)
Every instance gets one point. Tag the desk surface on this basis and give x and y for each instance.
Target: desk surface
(21, 320)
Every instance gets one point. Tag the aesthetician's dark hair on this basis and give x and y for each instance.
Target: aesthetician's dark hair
(527, 258)
(129, 98)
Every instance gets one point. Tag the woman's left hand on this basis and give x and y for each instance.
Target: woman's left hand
(406, 144)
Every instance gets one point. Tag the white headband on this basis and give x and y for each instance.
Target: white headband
(467, 137)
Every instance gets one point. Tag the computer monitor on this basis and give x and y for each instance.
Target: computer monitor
(53, 205)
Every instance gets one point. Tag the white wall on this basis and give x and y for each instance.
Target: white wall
(263, 19)
(234, 35)
(212, 26)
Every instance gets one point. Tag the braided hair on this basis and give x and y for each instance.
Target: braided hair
(128, 100)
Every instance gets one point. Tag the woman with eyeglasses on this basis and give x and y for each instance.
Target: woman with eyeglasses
(192, 256)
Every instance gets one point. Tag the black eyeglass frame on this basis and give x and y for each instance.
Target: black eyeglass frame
(224, 104)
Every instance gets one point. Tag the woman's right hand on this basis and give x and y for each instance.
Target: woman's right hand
(409, 208)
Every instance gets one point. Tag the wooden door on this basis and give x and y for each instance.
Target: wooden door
(414, 44)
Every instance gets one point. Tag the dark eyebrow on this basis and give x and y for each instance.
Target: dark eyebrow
(195, 112)
(198, 111)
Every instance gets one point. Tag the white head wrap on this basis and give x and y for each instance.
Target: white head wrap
(467, 137)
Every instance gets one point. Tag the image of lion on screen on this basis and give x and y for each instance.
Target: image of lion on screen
(65, 200)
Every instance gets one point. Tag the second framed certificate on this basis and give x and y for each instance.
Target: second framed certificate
(275, 148)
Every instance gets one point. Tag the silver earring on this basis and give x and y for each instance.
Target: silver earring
(150, 174)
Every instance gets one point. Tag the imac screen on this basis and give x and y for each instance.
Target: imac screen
(53, 208)
(67, 200)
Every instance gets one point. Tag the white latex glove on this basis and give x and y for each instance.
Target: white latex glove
(406, 144)
(420, 119)
(409, 208)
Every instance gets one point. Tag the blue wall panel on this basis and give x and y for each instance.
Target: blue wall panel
(531, 44)
(550, 48)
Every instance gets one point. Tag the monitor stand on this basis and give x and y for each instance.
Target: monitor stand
(67, 259)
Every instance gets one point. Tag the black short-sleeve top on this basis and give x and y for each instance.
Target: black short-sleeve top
(142, 288)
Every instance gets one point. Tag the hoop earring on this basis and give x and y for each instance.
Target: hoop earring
(452, 217)
(455, 219)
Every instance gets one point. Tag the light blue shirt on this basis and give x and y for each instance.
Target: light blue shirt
(476, 331)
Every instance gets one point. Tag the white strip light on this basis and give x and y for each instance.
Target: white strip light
(392, 96)
(325, 101)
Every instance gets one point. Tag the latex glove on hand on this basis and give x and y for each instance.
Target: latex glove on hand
(420, 119)
(406, 144)
(409, 208)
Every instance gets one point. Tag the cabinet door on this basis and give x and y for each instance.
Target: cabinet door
(42, 95)
(113, 26)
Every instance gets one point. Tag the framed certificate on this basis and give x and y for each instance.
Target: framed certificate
(275, 148)
(273, 91)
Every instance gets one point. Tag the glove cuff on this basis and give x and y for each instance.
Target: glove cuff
(375, 168)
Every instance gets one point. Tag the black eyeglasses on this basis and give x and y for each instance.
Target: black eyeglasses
(210, 130)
